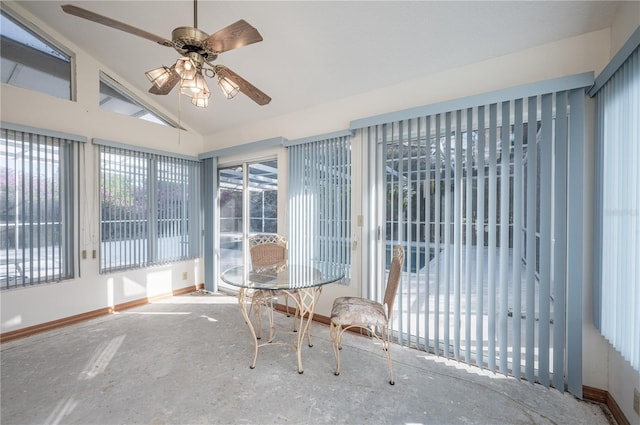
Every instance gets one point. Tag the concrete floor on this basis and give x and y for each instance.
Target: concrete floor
(185, 360)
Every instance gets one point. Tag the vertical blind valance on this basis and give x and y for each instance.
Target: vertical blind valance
(569, 82)
(42, 132)
(480, 198)
(142, 150)
(244, 148)
(320, 200)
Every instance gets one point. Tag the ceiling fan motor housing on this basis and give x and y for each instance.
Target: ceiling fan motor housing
(190, 40)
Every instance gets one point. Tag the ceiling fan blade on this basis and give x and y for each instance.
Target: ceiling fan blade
(232, 37)
(91, 16)
(245, 87)
(168, 85)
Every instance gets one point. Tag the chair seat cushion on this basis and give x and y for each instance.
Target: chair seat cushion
(354, 310)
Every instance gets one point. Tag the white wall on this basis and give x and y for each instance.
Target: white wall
(588, 52)
(24, 307)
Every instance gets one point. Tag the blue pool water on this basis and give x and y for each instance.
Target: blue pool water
(415, 256)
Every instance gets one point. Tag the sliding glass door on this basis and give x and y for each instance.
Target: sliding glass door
(248, 200)
(231, 199)
(479, 199)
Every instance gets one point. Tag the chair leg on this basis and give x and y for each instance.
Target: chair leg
(259, 300)
(272, 325)
(387, 349)
(295, 316)
(336, 335)
(256, 304)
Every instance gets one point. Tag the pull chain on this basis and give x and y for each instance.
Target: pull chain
(179, 119)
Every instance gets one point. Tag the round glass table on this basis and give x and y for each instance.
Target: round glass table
(258, 287)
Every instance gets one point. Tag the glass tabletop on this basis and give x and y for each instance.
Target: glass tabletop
(284, 275)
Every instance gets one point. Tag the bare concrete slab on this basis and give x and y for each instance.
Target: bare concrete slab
(185, 360)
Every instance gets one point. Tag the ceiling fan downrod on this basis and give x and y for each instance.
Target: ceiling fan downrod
(195, 13)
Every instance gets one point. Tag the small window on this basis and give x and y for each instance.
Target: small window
(37, 209)
(31, 62)
(115, 98)
(149, 207)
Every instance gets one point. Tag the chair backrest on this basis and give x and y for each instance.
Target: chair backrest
(267, 249)
(397, 261)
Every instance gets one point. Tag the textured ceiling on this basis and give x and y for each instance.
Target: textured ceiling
(318, 52)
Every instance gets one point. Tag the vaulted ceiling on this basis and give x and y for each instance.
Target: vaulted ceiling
(316, 52)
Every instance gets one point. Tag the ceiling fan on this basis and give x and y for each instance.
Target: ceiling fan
(198, 50)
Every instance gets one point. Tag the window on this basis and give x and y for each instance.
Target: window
(617, 291)
(263, 197)
(31, 62)
(487, 201)
(149, 209)
(320, 200)
(36, 208)
(115, 98)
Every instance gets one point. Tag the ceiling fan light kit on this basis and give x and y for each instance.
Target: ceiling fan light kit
(193, 86)
(159, 76)
(192, 83)
(228, 87)
(201, 100)
(197, 49)
(186, 68)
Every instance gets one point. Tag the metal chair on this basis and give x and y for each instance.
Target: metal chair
(268, 252)
(267, 249)
(356, 312)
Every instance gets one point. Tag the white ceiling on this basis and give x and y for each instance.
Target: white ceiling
(315, 52)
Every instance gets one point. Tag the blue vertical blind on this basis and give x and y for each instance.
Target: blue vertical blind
(37, 216)
(320, 201)
(149, 208)
(209, 197)
(618, 208)
(479, 198)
